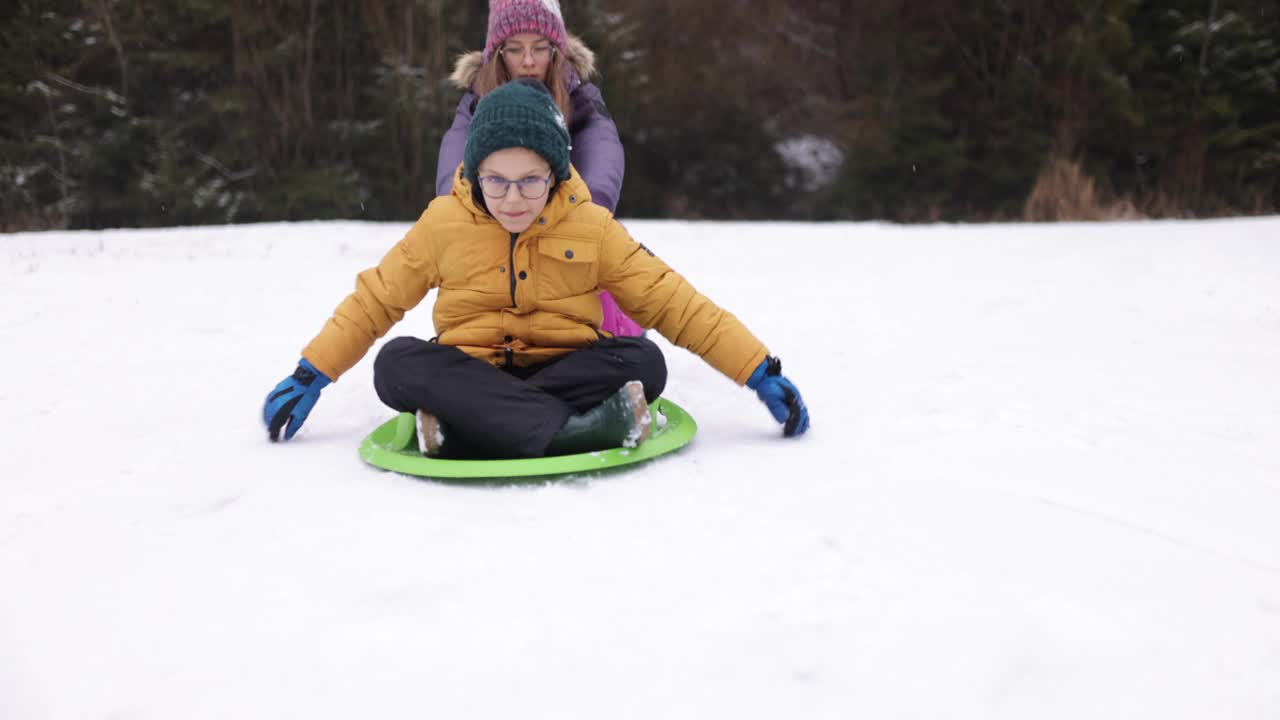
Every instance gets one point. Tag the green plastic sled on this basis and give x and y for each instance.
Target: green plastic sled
(394, 446)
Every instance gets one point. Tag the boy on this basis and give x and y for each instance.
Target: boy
(519, 253)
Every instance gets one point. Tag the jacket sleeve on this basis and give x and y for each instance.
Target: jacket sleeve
(383, 295)
(597, 149)
(453, 144)
(660, 298)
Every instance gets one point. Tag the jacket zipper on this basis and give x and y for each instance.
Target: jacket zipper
(508, 356)
(511, 263)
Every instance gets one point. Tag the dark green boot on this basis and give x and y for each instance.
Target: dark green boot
(620, 421)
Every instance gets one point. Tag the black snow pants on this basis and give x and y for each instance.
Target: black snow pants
(491, 412)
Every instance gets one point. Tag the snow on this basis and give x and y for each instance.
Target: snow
(814, 161)
(1043, 481)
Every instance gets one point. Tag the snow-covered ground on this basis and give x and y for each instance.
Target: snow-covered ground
(1043, 481)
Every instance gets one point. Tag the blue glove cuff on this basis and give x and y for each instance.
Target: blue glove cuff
(308, 376)
(769, 366)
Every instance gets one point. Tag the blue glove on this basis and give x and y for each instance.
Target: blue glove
(292, 400)
(780, 396)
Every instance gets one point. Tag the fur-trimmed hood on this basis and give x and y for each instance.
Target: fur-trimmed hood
(581, 60)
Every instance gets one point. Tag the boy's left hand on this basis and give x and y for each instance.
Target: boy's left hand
(780, 396)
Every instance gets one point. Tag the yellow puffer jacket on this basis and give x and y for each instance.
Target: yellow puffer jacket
(523, 300)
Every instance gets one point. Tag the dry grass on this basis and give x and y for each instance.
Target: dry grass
(27, 221)
(1063, 192)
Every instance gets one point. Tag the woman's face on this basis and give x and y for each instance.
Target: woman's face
(515, 173)
(527, 55)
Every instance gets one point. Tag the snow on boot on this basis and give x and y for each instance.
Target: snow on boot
(430, 434)
(622, 420)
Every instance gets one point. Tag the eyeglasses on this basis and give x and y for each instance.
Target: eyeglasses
(531, 188)
(540, 52)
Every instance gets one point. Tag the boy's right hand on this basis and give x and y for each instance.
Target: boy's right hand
(291, 401)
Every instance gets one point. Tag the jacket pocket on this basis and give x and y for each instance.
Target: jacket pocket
(567, 267)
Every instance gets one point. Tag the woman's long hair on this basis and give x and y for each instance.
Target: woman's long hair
(494, 73)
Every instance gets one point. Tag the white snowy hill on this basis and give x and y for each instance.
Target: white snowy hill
(1043, 481)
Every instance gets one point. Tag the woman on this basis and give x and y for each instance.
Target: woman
(518, 254)
(527, 38)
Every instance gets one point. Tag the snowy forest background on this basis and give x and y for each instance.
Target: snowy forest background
(127, 113)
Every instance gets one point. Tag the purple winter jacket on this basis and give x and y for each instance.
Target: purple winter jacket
(596, 151)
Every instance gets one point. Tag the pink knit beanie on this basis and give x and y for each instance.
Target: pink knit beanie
(512, 17)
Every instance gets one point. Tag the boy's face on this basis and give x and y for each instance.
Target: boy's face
(524, 170)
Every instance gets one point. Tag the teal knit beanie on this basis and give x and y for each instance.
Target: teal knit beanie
(520, 113)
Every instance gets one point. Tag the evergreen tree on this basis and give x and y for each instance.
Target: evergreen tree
(120, 112)
(1208, 75)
